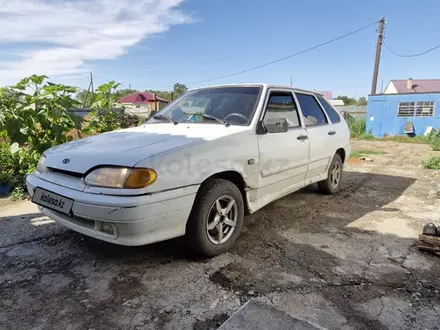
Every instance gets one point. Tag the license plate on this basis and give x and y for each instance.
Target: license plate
(52, 201)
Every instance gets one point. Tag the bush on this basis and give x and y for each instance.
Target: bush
(17, 194)
(358, 128)
(6, 164)
(432, 163)
(15, 163)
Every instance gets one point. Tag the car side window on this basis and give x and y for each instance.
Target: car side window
(312, 112)
(331, 112)
(282, 105)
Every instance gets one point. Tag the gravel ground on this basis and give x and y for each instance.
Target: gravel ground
(346, 261)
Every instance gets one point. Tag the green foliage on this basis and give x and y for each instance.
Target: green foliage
(169, 96)
(124, 92)
(347, 100)
(105, 96)
(179, 89)
(38, 119)
(85, 98)
(17, 193)
(432, 163)
(34, 117)
(358, 128)
(362, 101)
(6, 164)
(365, 152)
(16, 162)
(435, 144)
(105, 118)
(103, 121)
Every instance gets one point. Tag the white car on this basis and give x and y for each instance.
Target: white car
(196, 168)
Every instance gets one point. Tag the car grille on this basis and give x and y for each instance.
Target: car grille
(70, 173)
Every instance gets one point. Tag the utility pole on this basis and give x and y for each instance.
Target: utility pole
(377, 59)
(129, 86)
(91, 84)
(291, 81)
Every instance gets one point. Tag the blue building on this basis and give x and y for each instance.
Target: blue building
(407, 107)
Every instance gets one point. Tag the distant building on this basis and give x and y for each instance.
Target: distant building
(410, 85)
(146, 100)
(336, 103)
(410, 106)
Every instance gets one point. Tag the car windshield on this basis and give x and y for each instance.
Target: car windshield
(223, 105)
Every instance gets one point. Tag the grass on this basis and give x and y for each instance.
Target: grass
(358, 130)
(432, 163)
(365, 152)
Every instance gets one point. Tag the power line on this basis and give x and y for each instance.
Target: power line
(412, 55)
(286, 57)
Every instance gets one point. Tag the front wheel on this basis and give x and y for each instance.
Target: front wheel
(216, 218)
(333, 182)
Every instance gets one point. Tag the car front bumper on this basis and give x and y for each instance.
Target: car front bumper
(136, 220)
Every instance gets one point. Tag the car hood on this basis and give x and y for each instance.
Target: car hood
(127, 147)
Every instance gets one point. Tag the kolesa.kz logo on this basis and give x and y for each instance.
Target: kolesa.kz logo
(52, 201)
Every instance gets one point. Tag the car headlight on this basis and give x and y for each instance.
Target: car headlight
(121, 177)
(41, 166)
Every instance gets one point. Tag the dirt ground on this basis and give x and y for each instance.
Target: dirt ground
(346, 261)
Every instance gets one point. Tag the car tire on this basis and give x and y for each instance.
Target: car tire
(210, 213)
(332, 184)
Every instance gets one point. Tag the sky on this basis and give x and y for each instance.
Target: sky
(152, 44)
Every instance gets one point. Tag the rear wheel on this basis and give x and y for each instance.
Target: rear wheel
(333, 182)
(216, 218)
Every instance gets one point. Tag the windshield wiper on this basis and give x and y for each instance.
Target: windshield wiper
(162, 117)
(216, 119)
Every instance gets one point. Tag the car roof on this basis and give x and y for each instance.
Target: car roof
(267, 86)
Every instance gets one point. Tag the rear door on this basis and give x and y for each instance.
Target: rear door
(341, 138)
(284, 156)
(320, 133)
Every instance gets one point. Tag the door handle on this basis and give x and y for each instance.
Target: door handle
(302, 137)
(332, 133)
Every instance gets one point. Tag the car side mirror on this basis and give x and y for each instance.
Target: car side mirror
(275, 125)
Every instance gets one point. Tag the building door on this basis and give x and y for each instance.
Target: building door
(375, 117)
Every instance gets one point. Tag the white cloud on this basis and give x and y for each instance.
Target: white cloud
(59, 37)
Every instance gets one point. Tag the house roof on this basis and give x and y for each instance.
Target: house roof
(140, 97)
(418, 85)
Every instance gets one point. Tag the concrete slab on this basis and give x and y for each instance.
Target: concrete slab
(256, 314)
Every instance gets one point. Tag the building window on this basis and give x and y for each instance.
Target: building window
(406, 109)
(425, 109)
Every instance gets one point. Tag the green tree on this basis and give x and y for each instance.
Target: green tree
(179, 89)
(37, 115)
(362, 101)
(347, 100)
(124, 92)
(162, 94)
(105, 117)
(85, 98)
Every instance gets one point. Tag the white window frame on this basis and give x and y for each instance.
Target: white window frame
(431, 111)
(413, 110)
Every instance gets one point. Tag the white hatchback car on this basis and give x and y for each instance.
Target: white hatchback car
(195, 168)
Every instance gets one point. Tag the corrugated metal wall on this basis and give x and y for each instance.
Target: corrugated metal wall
(382, 118)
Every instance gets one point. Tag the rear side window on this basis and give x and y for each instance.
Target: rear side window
(332, 113)
(312, 112)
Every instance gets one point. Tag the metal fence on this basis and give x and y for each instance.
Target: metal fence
(357, 111)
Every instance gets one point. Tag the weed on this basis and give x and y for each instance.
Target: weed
(17, 194)
(365, 152)
(432, 163)
(358, 130)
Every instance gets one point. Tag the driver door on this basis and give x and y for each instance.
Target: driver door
(284, 156)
